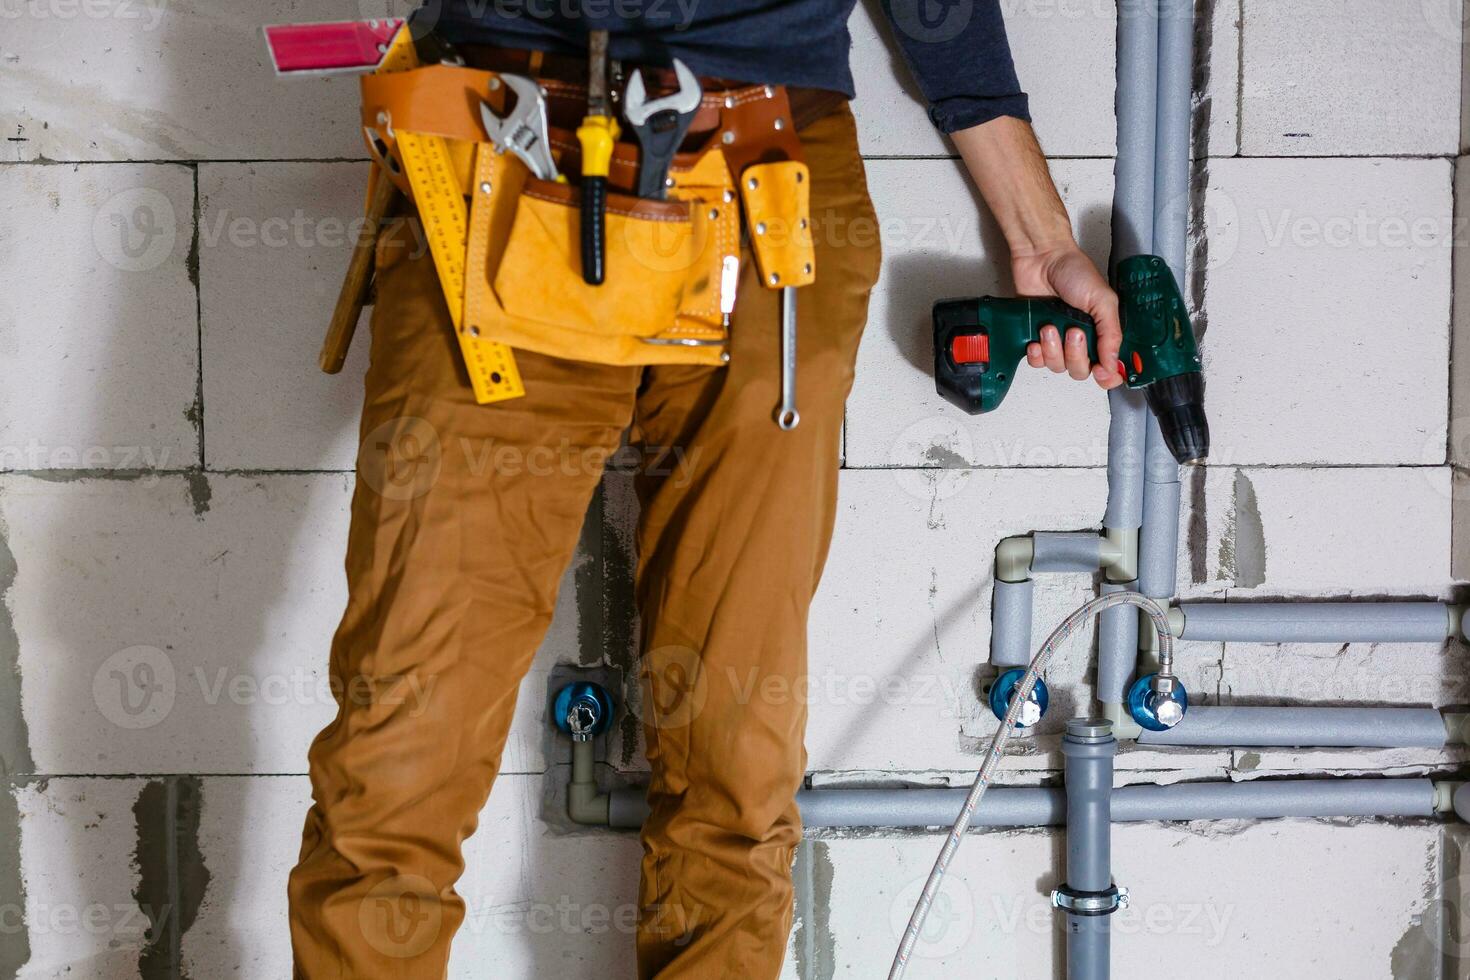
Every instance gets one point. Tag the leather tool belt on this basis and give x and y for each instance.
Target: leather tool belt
(671, 264)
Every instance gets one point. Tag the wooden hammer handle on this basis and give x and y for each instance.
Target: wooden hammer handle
(359, 280)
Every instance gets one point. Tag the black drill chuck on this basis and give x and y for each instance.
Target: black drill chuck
(1178, 403)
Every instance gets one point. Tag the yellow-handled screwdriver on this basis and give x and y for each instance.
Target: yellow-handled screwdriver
(597, 134)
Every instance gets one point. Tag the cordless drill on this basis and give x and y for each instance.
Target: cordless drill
(979, 344)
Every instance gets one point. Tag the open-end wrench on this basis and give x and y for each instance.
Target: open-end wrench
(660, 126)
(523, 130)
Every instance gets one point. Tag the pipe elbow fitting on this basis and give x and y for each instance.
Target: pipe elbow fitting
(1013, 558)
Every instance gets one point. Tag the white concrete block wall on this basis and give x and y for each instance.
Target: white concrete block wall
(175, 476)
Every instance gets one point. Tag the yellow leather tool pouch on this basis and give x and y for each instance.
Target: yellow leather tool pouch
(660, 302)
(778, 214)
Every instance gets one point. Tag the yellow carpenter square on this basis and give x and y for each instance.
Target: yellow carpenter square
(442, 209)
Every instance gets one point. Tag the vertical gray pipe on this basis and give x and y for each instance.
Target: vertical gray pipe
(1117, 645)
(1158, 543)
(1173, 107)
(1010, 624)
(1088, 748)
(1133, 233)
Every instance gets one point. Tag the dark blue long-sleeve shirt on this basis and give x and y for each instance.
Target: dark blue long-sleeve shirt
(957, 49)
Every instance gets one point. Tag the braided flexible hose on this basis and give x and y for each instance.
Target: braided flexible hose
(1160, 619)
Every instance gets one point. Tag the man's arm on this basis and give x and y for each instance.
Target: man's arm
(1007, 165)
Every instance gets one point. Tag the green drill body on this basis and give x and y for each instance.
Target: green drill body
(980, 343)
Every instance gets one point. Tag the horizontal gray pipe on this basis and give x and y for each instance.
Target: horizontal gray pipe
(1316, 622)
(1012, 806)
(1305, 727)
(1066, 551)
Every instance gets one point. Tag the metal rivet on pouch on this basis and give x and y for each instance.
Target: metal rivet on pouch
(474, 331)
(780, 124)
(752, 183)
(485, 187)
(727, 137)
(800, 176)
(729, 102)
(770, 92)
(775, 278)
(668, 182)
(803, 224)
(494, 84)
(729, 196)
(807, 269)
(760, 228)
(714, 213)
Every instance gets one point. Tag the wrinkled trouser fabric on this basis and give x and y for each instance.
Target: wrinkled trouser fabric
(465, 518)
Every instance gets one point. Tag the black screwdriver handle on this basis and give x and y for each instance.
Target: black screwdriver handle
(594, 230)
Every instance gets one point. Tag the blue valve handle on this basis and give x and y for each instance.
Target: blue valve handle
(1143, 703)
(1004, 689)
(594, 697)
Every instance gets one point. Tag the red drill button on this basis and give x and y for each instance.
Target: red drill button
(1137, 362)
(970, 348)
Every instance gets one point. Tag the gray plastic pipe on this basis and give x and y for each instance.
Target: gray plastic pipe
(1010, 624)
(1117, 644)
(1026, 806)
(1088, 748)
(1313, 726)
(1158, 542)
(1133, 224)
(1069, 551)
(1319, 622)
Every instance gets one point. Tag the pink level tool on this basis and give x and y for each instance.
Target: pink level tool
(339, 47)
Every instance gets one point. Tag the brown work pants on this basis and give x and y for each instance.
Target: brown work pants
(464, 520)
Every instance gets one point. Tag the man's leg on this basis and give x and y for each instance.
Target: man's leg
(736, 520)
(463, 521)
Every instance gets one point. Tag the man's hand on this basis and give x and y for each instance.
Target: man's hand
(1068, 274)
(1006, 163)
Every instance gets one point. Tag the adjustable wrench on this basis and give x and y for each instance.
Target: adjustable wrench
(523, 130)
(660, 126)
